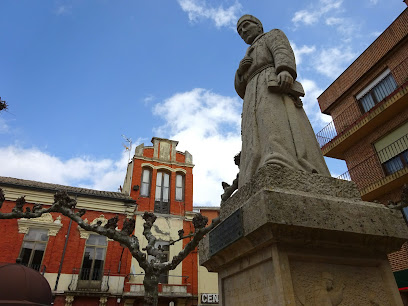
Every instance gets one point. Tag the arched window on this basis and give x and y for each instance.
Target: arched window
(145, 182)
(162, 195)
(179, 187)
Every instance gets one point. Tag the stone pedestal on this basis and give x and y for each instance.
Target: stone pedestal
(293, 238)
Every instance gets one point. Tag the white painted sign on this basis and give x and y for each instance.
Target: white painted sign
(209, 298)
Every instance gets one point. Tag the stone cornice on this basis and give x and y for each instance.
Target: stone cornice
(88, 203)
(45, 222)
(85, 234)
(163, 162)
(164, 167)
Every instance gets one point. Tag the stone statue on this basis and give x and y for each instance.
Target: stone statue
(325, 295)
(275, 128)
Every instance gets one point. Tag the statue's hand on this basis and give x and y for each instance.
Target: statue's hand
(285, 80)
(244, 64)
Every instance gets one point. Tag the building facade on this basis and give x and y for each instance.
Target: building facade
(160, 179)
(369, 106)
(81, 267)
(207, 281)
(87, 269)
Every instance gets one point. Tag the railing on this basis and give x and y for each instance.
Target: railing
(349, 116)
(339, 124)
(168, 289)
(379, 165)
(89, 280)
(39, 268)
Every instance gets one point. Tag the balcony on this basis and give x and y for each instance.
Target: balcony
(135, 288)
(89, 280)
(381, 172)
(361, 118)
(39, 268)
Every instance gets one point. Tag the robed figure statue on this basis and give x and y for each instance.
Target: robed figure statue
(275, 128)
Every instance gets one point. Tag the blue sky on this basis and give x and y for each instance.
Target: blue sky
(79, 74)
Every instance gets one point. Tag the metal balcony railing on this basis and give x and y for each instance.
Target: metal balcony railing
(89, 280)
(39, 268)
(370, 101)
(387, 161)
(164, 288)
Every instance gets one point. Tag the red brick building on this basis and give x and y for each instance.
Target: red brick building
(369, 106)
(87, 269)
(81, 267)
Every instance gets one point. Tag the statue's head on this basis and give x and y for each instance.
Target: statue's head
(249, 27)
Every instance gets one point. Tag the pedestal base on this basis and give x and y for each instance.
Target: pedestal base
(306, 240)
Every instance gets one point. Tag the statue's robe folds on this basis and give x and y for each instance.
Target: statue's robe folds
(274, 129)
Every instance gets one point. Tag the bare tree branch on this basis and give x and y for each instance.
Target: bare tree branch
(198, 235)
(65, 205)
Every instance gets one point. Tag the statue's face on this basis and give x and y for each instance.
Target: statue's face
(249, 30)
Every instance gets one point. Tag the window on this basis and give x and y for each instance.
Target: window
(162, 197)
(396, 163)
(376, 91)
(94, 258)
(164, 245)
(33, 248)
(145, 184)
(392, 150)
(179, 187)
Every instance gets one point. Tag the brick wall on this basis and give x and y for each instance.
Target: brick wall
(399, 259)
(11, 241)
(395, 33)
(147, 203)
(347, 105)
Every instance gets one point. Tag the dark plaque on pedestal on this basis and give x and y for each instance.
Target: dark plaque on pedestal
(227, 232)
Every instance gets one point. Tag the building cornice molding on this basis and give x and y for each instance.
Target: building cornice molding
(84, 234)
(163, 162)
(45, 222)
(164, 167)
(88, 203)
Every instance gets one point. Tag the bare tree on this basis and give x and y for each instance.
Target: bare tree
(3, 105)
(154, 268)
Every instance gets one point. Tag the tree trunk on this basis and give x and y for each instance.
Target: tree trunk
(151, 287)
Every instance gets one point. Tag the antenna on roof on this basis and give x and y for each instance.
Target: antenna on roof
(128, 145)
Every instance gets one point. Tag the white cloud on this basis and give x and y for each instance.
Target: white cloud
(332, 62)
(345, 26)
(311, 106)
(299, 52)
(63, 10)
(147, 100)
(374, 2)
(199, 9)
(315, 12)
(208, 126)
(33, 164)
(4, 128)
(376, 34)
(306, 17)
(334, 21)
